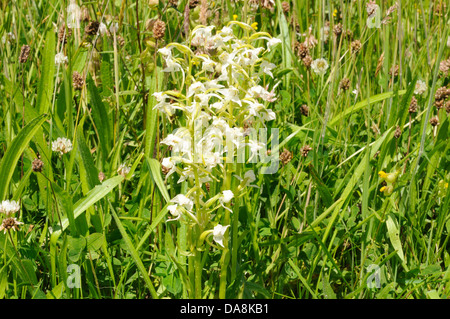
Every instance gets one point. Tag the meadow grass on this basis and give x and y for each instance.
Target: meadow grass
(357, 209)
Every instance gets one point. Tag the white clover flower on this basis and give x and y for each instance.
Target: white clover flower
(319, 66)
(420, 88)
(123, 169)
(60, 58)
(218, 233)
(62, 145)
(9, 207)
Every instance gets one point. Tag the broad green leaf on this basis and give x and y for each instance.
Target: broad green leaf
(394, 236)
(94, 195)
(152, 114)
(85, 159)
(155, 169)
(95, 241)
(101, 118)
(13, 153)
(76, 246)
(46, 82)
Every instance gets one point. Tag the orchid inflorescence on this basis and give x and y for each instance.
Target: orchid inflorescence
(220, 94)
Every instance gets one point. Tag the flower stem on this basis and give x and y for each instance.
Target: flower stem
(198, 274)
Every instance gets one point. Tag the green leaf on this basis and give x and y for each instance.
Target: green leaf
(155, 169)
(95, 241)
(362, 104)
(134, 254)
(13, 153)
(94, 195)
(45, 85)
(100, 117)
(152, 114)
(76, 246)
(85, 159)
(322, 188)
(65, 201)
(394, 236)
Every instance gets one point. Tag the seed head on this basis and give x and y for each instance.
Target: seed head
(10, 223)
(64, 33)
(440, 96)
(301, 50)
(337, 29)
(77, 80)
(304, 109)
(355, 46)
(305, 150)
(120, 40)
(398, 132)
(159, 29)
(285, 6)
(92, 28)
(344, 84)
(285, 157)
(434, 121)
(413, 105)
(394, 70)
(307, 61)
(24, 53)
(101, 176)
(193, 3)
(444, 66)
(37, 165)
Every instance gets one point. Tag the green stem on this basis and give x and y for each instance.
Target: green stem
(198, 274)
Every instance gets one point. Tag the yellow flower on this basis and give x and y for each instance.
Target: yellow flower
(389, 177)
(235, 17)
(387, 190)
(255, 25)
(335, 12)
